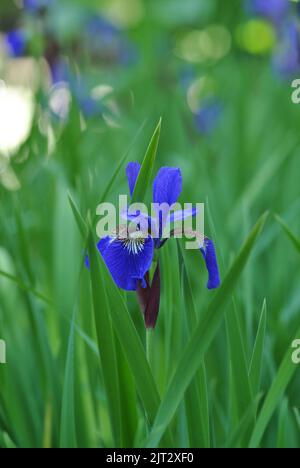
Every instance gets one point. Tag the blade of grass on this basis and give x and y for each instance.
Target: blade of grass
(297, 416)
(79, 219)
(129, 404)
(256, 363)
(171, 302)
(146, 170)
(25, 288)
(119, 166)
(241, 394)
(6, 442)
(196, 398)
(202, 337)
(265, 173)
(282, 424)
(295, 241)
(106, 341)
(67, 428)
(244, 425)
(134, 352)
(279, 385)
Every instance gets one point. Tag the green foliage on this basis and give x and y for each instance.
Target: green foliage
(217, 371)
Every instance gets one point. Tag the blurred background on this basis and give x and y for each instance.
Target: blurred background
(81, 83)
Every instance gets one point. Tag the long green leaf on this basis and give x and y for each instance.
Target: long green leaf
(196, 397)
(295, 241)
(257, 356)
(146, 170)
(79, 219)
(25, 288)
(67, 428)
(201, 339)
(120, 164)
(106, 341)
(241, 392)
(279, 385)
(134, 351)
(244, 425)
(297, 417)
(6, 442)
(282, 424)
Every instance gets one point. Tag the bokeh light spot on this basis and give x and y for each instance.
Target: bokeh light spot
(256, 36)
(16, 113)
(208, 45)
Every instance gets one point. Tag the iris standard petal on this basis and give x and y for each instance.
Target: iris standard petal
(167, 185)
(209, 255)
(132, 172)
(127, 260)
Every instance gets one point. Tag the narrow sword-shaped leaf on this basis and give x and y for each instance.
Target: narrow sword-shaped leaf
(279, 385)
(67, 427)
(257, 356)
(146, 170)
(106, 341)
(241, 391)
(26, 288)
(134, 352)
(79, 219)
(295, 241)
(244, 425)
(120, 164)
(196, 397)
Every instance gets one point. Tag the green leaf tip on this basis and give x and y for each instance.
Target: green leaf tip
(146, 170)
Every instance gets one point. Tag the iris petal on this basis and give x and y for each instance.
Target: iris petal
(180, 215)
(209, 255)
(167, 185)
(144, 222)
(132, 172)
(127, 263)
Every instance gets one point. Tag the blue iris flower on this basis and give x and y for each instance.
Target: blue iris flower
(271, 9)
(129, 259)
(16, 42)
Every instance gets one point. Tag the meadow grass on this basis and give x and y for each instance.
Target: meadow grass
(81, 369)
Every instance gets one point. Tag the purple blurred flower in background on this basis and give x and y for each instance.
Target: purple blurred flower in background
(208, 115)
(187, 76)
(286, 59)
(59, 71)
(108, 42)
(77, 85)
(89, 106)
(16, 42)
(271, 9)
(36, 5)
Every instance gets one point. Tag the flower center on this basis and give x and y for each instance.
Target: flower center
(135, 243)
